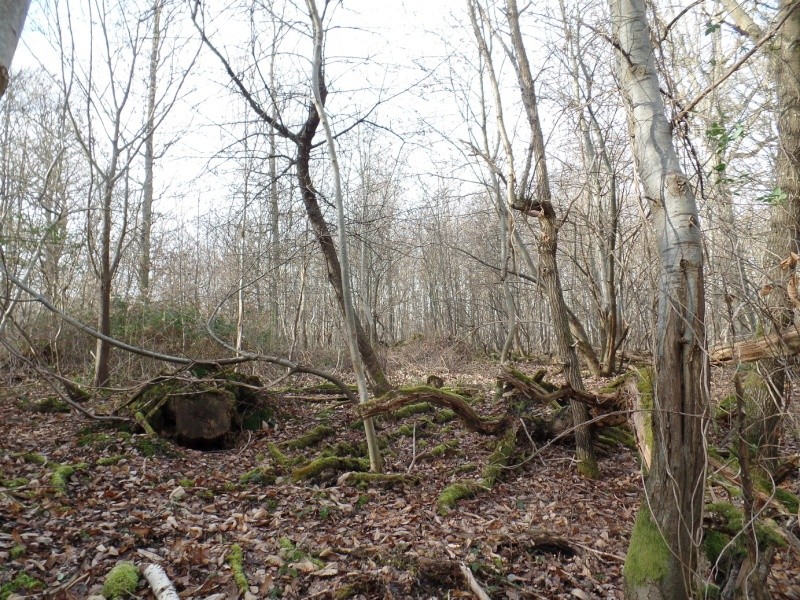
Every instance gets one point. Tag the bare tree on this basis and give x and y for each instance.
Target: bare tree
(303, 141)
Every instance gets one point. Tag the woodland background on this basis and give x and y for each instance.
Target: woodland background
(452, 194)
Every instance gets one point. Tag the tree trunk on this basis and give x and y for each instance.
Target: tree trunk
(12, 20)
(147, 192)
(102, 370)
(784, 234)
(780, 283)
(379, 383)
(542, 206)
(663, 548)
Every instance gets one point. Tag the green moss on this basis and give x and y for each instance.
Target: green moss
(732, 517)
(17, 551)
(110, 460)
(21, 583)
(34, 458)
(789, 500)
(52, 404)
(450, 496)
(413, 409)
(648, 557)
(258, 476)
(714, 543)
(278, 457)
(616, 383)
(443, 449)
(349, 449)
(185, 482)
(381, 479)
(500, 457)
(345, 592)
(153, 446)
(14, 483)
(312, 438)
(95, 439)
(406, 431)
(121, 581)
(618, 435)
(710, 592)
(146, 447)
(443, 416)
(235, 560)
(328, 464)
(62, 473)
(465, 468)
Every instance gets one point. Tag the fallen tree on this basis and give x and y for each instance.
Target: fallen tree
(770, 346)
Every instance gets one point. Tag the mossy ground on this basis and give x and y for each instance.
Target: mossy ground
(21, 584)
(121, 581)
(235, 561)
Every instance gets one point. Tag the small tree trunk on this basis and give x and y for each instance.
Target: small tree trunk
(147, 192)
(548, 246)
(375, 460)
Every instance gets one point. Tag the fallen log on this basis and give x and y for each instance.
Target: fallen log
(607, 409)
(753, 349)
(397, 399)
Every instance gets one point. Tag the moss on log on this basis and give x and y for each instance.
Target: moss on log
(329, 465)
(311, 438)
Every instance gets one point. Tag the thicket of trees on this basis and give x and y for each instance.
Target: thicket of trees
(586, 181)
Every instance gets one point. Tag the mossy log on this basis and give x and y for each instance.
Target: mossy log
(311, 438)
(387, 480)
(397, 399)
(328, 465)
(639, 390)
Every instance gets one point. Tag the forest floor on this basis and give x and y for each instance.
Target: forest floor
(185, 510)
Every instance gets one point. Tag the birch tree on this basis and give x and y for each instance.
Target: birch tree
(12, 20)
(663, 550)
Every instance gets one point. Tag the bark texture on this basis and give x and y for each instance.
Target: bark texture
(669, 525)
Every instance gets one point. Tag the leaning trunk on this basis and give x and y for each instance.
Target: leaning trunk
(663, 550)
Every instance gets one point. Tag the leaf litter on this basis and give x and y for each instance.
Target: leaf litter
(185, 510)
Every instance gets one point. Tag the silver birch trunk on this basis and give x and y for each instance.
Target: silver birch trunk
(12, 20)
(663, 550)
